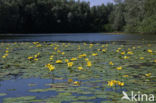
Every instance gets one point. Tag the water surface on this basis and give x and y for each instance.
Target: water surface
(91, 37)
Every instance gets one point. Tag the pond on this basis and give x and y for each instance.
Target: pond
(76, 72)
(91, 37)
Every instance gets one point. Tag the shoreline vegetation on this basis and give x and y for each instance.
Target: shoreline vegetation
(71, 16)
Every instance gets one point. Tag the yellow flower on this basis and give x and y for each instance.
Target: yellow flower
(55, 48)
(86, 59)
(30, 57)
(58, 51)
(121, 83)
(148, 74)
(89, 64)
(51, 57)
(70, 80)
(122, 53)
(76, 83)
(119, 48)
(6, 51)
(117, 51)
(104, 50)
(36, 59)
(110, 83)
(155, 60)
(119, 68)
(126, 57)
(50, 67)
(149, 50)
(111, 63)
(130, 52)
(62, 53)
(142, 58)
(58, 61)
(94, 54)
(80, 68)
(73, 59)
(3, 56)
(70, 64)
(66, 60)
(125, 76)
(82, 55)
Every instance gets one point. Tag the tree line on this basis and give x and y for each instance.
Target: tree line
(70, 16)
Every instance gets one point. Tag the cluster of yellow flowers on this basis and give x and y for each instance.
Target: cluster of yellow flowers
(50, 67)
(114, 83)
(37, 44)
(6, 53)
(35, 57)
(82, 55)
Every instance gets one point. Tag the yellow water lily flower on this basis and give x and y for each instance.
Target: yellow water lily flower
(58, 61)
(66, 60)
(122, 53)
(94, 54)
(104, 50)
(73, 59)
(114, 82)
(155, 60)
(3, 56)
(36, 59)
(121, 84)
(6, 51)
(148, 74)
(149, 50)
(142, 58)
(76, 83)
(130, 52)
(86, 59)
(30, 57)
(119, 68)
(111, 63)
(70, 80)
(110, 83)
(70, 64)
(80, 68)
(82, 55)
(119, 48)
(89, 64)
(62, 53)
(126, 57)
(55, 48)
(125, 76)
(51, 57)
(117, 51)
(50, 67)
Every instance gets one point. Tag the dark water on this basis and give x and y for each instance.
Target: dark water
(91, 37)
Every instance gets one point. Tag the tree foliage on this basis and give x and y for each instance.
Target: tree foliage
(54, 16)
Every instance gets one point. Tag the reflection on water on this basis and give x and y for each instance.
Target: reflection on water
(77, 37)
